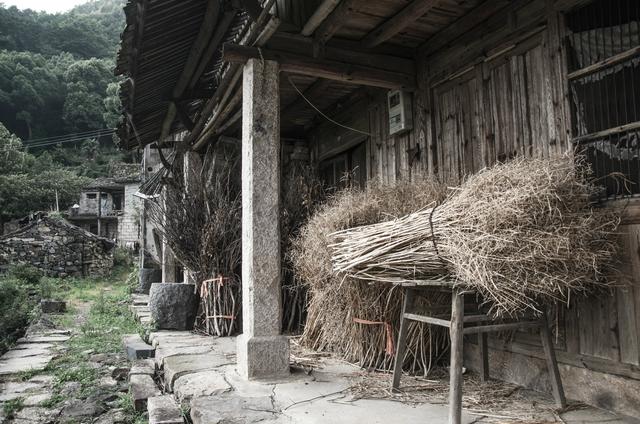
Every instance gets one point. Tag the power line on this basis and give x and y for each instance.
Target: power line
(67, 137)
(45, 144)
(79, 134)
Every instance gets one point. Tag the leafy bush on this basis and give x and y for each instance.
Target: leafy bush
(26, 273)
(122, 257)
(15, 307)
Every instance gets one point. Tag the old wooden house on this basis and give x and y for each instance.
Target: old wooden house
(390, 89)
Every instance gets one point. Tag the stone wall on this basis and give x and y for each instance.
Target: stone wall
(58, 248)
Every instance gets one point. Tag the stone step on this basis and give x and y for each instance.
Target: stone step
(140, 299)
(177, 366)
(136, 347)
(143, 367)
(141, 388)
(164, 410)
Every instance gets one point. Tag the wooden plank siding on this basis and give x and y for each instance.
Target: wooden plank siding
(493, 93)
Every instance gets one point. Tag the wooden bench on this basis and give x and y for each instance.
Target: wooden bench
(460, 325)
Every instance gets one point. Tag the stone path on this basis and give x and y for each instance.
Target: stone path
(201, 374)
(33, 352)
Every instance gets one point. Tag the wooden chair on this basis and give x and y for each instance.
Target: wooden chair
(481, 324)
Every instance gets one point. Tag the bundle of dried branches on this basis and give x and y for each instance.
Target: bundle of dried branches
(519, 233)
(199, 217)
(301, 192)
(352, 318)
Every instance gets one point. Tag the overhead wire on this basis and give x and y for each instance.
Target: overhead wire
(58, 141)
(78, 134)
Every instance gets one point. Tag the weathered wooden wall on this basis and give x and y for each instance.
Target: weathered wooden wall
(495, 92)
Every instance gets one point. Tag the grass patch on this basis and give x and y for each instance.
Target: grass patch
(12, 407)
(107, 321)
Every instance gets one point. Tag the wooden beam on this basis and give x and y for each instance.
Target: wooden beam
(343, 52)
(320, 14)
(408, 15)
(258, 34)
(606, 63)
(338, 71)
(197, 49)
(340, 15)
(462, 25)
(221, 29)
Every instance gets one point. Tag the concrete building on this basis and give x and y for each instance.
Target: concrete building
(109, 208)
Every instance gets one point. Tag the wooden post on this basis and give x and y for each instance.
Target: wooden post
(455, 367)
(402, 339)
(552, 363)
(484, 356)
(99, 212)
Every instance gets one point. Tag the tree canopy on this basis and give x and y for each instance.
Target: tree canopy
(56, 79)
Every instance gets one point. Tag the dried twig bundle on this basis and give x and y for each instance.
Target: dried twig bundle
(352, 318)
(518, 233)
(199, 215)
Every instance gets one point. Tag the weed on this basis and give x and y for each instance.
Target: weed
(12, 407)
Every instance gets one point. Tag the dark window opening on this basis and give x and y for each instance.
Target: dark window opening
(117, 201)
(91, 195)
(347, 169)
(603, 45)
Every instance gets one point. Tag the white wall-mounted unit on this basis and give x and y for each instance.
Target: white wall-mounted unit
(400, 113)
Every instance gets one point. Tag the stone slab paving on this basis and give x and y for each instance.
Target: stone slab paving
(164, 410)
(199, 384)
(33, 352)
(182, 365)
(203, 377)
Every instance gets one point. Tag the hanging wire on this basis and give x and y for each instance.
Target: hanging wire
(322, 114)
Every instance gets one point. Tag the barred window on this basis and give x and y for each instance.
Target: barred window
(603, 44)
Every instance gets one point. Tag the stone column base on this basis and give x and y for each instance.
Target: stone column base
(262, 358)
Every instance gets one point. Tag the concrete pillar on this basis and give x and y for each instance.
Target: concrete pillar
(263, 353)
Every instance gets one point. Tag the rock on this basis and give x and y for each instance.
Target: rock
(147, 277)
(113, 416)
(219, 410)
(49, 306)
(81, 408)
(136, 348)
(36, 415)
(164, 410)
(205, 383)
(173, 305)
(119, 373)
(144, 367)
(177, 366)
(141, 388)
(70, 388)
(99, 357)
(36, 399)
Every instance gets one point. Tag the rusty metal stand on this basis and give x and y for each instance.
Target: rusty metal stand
(481, 324)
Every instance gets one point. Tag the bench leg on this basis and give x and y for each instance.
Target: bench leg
(552, 363)
(402, 340)
(484, 356)
(455, 369)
